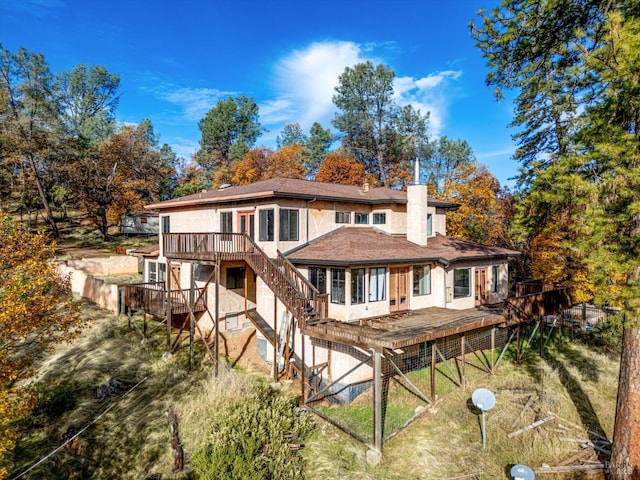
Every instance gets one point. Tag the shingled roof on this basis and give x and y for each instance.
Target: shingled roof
(364, 246)
(294, 188)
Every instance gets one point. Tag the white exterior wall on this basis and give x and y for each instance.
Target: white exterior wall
(436, 298)
(470, 302)
(439, 220)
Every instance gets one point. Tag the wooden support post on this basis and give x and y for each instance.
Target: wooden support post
(493, 350)
(377, 402)
(329, 355)
(192, 320)
(246, 290)
(168, 309)
(216, 346)
(129, 316)
(434, 359)
(518, 345)
(275, 338)
(463, 380)
(144, 325)
(287, 369)
(302, 366)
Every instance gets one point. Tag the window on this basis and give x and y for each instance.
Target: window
(422, 280)
(461, 282)
(429, 225)
(162, 272)
(266, 225)
(226, 222)
(377, 281)
(318, 278)
(202, 272)
(288, 225)
(153, 276)
(337, 285)
(357, 285)
(235, 277)
(361, 218)
(165, 224)
(379, 218)
(343, 217)
(495, 276)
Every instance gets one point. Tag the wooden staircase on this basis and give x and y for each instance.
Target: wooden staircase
(305, 303)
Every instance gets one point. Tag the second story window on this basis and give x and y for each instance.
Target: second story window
(318, 278)
(495, 277)
(165, 224)
(288, 225)
(379, 218)
(226, 222)
(421, 279)
(266, 225)
(357, 285)
(362, 218)
(461, 282)
(337, 285)
(343, 217)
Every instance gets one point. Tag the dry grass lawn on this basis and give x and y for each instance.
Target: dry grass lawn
(131, 440)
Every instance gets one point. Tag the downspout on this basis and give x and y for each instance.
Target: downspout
(308, 202)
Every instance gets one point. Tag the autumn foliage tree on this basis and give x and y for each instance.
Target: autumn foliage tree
(338, 167)
(263, 163)
(126, 171)
(36, 311)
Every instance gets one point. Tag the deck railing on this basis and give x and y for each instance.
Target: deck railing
(290, 286)
(152, 298)
(202, 246)
(526, 308)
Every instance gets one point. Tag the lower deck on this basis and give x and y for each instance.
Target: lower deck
(407, 328)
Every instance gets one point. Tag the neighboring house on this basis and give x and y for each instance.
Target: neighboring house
(139, 224)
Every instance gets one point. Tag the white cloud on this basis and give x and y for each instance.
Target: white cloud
(305, 82)
(427, 94)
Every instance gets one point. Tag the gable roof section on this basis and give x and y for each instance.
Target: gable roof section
(294, 188)
(364, 246)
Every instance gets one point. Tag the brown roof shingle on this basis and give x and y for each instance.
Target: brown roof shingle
(294, 188)
(353, 246)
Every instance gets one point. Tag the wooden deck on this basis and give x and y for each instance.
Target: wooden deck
(410, 328)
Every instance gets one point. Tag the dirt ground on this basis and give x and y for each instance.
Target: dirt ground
(241, 350)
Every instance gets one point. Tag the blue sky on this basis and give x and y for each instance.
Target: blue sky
(177, 59)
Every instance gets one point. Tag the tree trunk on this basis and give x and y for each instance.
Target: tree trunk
(625, 452)
(44, 199)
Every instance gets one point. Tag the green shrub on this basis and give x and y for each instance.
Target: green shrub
(607, 333)
(249, 438)
(51, 401)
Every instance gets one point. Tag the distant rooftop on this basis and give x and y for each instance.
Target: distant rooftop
(295, 188)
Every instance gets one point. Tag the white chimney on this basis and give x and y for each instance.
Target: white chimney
(417, 209)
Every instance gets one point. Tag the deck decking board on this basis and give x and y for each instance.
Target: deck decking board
(401, 330)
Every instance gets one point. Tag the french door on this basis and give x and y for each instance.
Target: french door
(481, 286)
(247, 223)
(398, 289)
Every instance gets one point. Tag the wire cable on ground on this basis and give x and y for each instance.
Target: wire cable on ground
(69, 440)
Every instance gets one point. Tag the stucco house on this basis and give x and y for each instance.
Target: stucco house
(368, 251)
